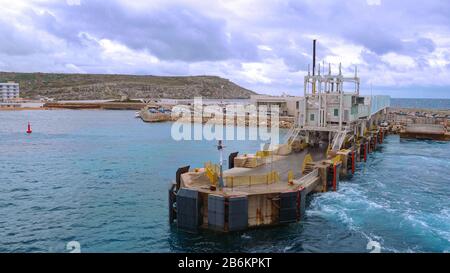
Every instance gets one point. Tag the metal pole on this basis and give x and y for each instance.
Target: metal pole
(314, 57)
(220, 148)
(221, 102)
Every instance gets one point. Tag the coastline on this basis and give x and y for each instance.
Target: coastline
(7, 109)
(79, 106)
(139, 106)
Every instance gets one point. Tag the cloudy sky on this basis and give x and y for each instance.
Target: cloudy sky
(401, 48)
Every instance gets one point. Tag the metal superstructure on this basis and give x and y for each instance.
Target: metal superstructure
(271, 186)
(332, 106)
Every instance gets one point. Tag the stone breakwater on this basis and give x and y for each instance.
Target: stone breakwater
(99, 105)
(283, 122)
(404, 116)
(417, 123)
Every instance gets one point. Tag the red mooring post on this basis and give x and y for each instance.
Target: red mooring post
(353, 162)
(365, 152)
(334, 177)
(29, 131)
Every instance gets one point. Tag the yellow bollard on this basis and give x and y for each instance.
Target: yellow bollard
(290, 177)
(308, 159)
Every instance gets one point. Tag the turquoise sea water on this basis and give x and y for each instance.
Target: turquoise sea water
(101, 178)
(442, 104)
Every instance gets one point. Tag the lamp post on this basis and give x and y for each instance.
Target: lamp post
(220, 149)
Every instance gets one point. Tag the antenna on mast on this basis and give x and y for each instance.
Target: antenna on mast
(314, 57)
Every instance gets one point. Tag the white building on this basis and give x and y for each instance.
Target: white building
(288, 105)
(9, 91)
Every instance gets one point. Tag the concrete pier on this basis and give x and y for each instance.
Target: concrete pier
(335, 128)
(275, 198)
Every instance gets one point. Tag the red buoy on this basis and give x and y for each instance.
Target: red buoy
(29, 129)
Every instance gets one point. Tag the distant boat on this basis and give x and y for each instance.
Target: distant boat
(137, 114)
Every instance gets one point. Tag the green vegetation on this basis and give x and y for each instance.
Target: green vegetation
(109, 86)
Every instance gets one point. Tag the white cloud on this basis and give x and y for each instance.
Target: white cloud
(256, 72)
(265, 47)
(73, 2)
(74, 69)
(399, 62)
(262, 45)
(118, 52)
(373, 2)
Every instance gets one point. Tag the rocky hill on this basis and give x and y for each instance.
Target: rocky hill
(99, 86)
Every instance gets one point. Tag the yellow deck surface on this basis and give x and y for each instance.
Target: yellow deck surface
(281, 164)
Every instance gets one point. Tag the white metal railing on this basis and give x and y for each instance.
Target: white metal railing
(338, 140)
(311, 175)
(291, 134)
(288, 134)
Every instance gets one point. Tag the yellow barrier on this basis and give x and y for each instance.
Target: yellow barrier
(212, 171)
(304, 145)
(308, 159)
(290, 176)
(269, 178)
(336, 159)
(328, 151)
(263, 153)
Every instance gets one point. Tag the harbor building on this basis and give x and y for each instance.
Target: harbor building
(9, 91)
(288, 105)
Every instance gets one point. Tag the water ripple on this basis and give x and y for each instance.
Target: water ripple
(104, 184)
